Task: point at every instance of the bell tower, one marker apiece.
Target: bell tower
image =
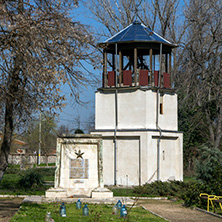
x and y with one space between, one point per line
136 109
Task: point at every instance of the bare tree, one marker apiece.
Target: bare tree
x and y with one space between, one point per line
41 48
48 134
63 129
201 70
164 16
195 26
156 14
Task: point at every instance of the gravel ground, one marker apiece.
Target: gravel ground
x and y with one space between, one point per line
175 212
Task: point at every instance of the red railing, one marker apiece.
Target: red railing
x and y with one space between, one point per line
127 78
146 78
143 78
111 78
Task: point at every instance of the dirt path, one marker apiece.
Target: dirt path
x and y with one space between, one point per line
175 212
8 207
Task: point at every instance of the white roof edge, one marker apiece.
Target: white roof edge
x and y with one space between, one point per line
158 35
163 39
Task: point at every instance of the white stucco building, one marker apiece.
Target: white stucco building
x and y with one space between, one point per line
136 110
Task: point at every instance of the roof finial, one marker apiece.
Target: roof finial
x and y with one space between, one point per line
136 22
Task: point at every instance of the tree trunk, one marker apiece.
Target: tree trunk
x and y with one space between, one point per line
219 128
9 115
7 137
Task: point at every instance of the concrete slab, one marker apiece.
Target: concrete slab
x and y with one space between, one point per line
124 200
33 199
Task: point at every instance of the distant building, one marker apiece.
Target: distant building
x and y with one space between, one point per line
18 146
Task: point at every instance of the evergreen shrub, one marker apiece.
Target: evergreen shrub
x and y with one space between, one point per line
209 175
159 188
31 179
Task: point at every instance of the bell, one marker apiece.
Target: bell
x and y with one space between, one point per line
85 211
123 212
78 204
62 210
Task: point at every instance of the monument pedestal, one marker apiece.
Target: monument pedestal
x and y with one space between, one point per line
102 193
55 192
79 168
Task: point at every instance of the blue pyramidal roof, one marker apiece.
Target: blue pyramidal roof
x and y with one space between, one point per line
137 32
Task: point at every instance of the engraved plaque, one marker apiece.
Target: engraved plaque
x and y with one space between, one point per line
78 181
79 169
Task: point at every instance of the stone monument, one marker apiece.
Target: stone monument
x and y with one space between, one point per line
79 167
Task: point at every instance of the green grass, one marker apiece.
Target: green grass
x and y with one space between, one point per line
44 164
49 178
190 179
127 192
13 166
122 192
9 183
23 192
37 212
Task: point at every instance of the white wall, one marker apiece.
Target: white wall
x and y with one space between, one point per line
137 136
171 162
90 153
128 161
136 110
132 110
168 120
78 177
104 110
108 161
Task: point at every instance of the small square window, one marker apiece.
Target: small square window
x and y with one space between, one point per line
161 103
161 108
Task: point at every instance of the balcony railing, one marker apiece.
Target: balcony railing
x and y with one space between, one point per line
143 78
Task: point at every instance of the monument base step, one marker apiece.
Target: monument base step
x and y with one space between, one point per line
55 193
102 193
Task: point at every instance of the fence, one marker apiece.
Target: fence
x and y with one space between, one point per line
19 159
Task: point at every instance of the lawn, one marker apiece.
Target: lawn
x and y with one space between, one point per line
37 212
127 192
9 183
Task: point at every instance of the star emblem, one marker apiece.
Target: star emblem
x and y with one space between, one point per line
79 154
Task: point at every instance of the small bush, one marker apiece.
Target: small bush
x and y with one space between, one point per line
31 179
209 175
209 161
9 181
46 171
191 196
13 171
159 188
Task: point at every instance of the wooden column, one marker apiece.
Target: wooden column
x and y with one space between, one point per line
166 62
135 66
170 61
104 68
151 67
113 61
120 67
